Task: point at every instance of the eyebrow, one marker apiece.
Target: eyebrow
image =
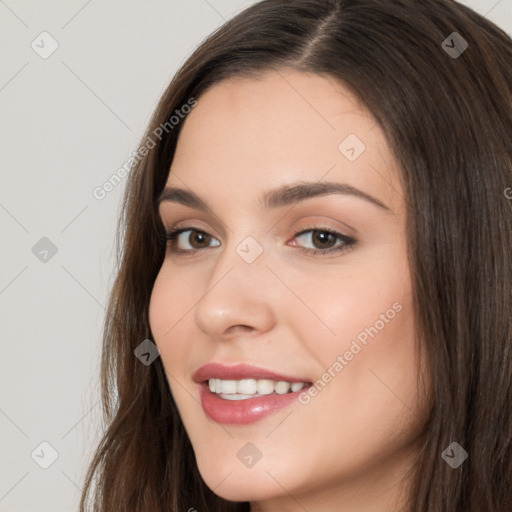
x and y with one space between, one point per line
278 198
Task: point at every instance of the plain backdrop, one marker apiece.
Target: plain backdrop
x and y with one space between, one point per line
78 82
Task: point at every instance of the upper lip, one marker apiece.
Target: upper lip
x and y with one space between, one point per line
238 372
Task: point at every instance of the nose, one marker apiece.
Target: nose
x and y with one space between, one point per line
239 297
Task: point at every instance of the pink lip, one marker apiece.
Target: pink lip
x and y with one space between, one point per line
238 372
241 412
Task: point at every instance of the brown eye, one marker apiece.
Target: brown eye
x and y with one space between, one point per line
197 238
323 241
189 240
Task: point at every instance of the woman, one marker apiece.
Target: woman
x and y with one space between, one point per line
319 246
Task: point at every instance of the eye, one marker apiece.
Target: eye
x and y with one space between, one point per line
324 240
189 239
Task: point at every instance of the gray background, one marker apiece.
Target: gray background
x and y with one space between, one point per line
68 122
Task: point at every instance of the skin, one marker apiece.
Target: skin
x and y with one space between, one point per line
289 311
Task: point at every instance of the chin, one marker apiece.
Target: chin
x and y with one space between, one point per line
238 483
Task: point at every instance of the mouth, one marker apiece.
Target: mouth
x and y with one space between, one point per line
244 394
246 389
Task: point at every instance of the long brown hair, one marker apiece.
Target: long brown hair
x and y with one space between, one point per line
447 113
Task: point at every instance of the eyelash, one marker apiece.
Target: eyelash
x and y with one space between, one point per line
172 234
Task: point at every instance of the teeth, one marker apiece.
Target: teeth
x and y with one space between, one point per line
227 386
251 388
265 387
247 386
282 387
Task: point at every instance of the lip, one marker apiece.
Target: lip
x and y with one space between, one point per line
238 372
241 412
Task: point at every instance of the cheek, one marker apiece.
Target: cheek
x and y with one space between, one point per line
365 302
173 297
162 305
364 342
168 310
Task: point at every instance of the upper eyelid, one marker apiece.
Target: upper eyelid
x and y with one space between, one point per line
319 223
214 220
221 227
298 231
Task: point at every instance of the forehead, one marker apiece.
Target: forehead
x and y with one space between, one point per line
283 126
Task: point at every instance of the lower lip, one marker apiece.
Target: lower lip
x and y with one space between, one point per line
242 412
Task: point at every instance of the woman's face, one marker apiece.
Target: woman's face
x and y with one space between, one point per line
268 168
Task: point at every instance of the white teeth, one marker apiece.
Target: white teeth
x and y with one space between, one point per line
237 396
265 387
227 386
247 386
282 387
251 388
